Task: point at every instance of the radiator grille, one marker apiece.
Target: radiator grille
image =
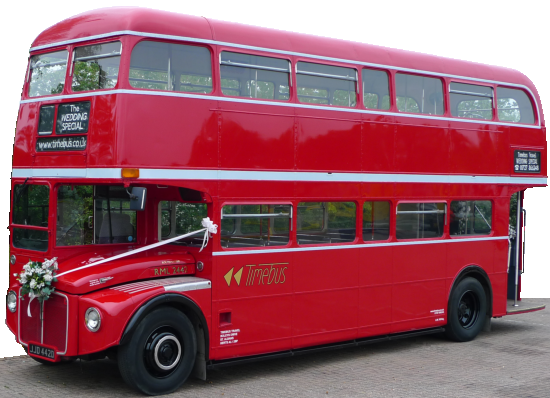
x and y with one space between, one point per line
52 329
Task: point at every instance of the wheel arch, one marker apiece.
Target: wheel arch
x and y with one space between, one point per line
476 272
179 302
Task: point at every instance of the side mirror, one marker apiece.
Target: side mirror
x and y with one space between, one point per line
138 197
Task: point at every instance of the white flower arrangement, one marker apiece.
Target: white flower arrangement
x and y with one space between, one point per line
37 279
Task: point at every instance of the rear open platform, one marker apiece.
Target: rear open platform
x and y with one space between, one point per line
522 307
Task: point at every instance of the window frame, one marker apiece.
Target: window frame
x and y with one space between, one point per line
235 50
390 90
358 88
445 233
358 222
532 101
476 83
51 217
53 236
72 52
470 236
444 99
291 232
29 71
128 61
391 223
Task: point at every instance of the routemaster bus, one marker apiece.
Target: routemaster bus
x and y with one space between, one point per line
217 193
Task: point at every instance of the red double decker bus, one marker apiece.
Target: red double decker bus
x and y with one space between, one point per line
360 193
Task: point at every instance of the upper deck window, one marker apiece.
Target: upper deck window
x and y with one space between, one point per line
47 73
419 94
376 89
171 67
253 76
471 101
514 106
95 67
325 84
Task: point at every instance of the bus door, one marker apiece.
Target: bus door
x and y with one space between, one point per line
516 256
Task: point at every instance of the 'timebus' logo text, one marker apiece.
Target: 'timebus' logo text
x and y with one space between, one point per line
258 274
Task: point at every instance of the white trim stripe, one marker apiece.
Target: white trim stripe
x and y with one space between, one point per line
291 53
302 176
272 103
364 245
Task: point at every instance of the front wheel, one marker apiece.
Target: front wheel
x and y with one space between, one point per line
160 356
467 309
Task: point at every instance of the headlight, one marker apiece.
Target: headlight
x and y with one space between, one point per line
12 259
11 301
92 319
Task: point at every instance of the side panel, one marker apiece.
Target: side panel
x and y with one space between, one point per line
419 286
326 296
375 291
253 304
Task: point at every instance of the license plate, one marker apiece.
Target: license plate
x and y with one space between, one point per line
41 351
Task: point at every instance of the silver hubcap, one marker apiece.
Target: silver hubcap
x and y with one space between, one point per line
164 352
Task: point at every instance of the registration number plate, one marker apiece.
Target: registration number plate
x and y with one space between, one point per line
41 351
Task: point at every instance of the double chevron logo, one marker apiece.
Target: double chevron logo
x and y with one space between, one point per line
237 276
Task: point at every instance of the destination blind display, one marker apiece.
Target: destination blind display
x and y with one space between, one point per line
61 144
527 162
73 118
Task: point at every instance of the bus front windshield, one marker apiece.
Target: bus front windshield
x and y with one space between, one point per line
88 214
30 209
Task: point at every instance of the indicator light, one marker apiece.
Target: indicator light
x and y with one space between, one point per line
130 173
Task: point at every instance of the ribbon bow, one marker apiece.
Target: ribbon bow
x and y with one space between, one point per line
211 228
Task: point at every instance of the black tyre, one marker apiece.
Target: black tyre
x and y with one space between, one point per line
160 355
467 309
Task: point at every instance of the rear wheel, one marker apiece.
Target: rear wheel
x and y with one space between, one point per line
159 357
467 309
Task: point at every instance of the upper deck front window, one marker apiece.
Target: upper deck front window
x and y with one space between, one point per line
47 73
96 67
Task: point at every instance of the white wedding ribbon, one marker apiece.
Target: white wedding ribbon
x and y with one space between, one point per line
209 228
32 297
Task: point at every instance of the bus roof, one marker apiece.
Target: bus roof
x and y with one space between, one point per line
106 21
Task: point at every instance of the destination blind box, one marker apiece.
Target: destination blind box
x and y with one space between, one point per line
73 118
526 161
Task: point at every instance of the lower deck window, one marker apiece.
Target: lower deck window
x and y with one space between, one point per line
30 239
420 220
376 221
255 225
88 214
470 217
177 218
326 222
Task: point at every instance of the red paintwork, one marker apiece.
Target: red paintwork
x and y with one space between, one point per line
327 295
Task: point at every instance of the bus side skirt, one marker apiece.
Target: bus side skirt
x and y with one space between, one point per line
328 347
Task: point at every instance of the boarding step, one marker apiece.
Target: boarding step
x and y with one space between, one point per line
522 307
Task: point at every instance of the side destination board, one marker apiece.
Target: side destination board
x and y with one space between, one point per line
527 161
73 118
61 144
